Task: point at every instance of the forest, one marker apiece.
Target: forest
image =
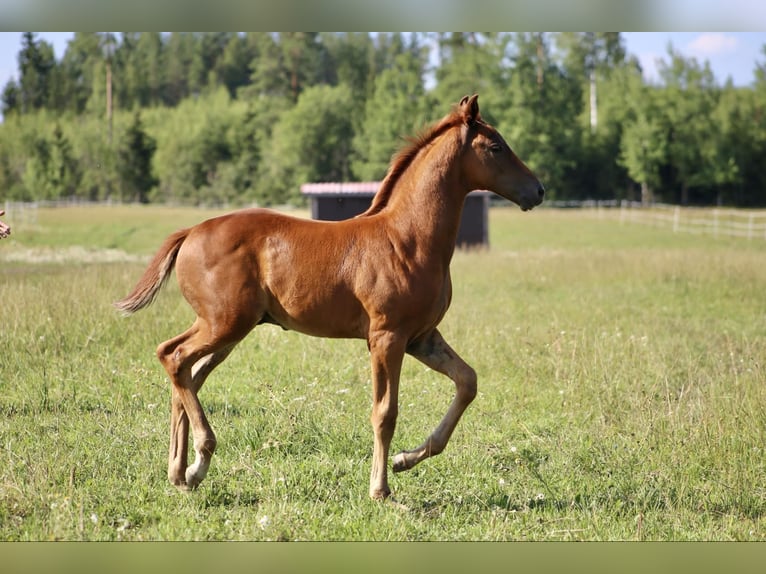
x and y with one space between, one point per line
245 118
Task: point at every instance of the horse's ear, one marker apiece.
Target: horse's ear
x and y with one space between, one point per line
469 109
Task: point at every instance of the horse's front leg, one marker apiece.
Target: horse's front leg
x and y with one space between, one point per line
386 355
434 352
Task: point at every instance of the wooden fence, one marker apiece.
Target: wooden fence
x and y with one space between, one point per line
715 221
711 221
25 212
20 212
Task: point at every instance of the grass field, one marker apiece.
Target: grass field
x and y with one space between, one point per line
621 396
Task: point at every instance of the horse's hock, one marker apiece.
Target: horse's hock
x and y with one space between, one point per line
336 201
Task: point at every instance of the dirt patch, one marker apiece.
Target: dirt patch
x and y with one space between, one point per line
72 254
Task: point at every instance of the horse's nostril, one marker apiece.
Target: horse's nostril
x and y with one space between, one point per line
541 191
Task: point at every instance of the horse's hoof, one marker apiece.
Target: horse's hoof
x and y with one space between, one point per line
380 493
400 463
179 482
192 482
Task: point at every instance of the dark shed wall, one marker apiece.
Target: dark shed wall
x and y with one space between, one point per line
339 207
474 225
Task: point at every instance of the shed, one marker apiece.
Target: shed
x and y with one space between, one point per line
338 201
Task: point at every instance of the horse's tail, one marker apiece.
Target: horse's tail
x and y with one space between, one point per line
155 276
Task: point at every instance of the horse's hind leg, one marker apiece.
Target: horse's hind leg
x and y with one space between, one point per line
179 441
434 352
179 421
189 358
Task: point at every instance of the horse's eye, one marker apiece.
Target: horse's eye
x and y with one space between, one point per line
495 147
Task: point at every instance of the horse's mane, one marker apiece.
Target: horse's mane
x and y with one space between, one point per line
405 156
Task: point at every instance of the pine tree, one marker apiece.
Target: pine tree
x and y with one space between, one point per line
311 142
232 68
64 173
135 163
11 99
398 108
179 54
77 70
36 62
538 113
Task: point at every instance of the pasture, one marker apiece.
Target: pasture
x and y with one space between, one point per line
621 395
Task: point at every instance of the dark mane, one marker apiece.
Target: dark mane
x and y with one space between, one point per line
404 157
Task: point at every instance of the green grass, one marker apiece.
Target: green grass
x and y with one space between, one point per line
621 396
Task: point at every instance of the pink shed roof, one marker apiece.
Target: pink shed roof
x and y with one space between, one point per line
340 188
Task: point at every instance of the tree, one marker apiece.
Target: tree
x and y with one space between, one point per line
127 70
472 64
77 70
733 144
205 67
178 57
351 61
398 107
52 171
597 67
65 172
230 124
11 99
688 101
149 54
591 56
287 63
233 65
753 183
538 114
644 145
250 140
266 78
36 63
311 142
135 163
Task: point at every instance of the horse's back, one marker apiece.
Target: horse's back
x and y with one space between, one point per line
274 267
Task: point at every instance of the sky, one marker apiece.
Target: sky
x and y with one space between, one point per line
731 54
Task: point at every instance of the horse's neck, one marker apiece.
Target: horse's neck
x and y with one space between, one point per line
427 203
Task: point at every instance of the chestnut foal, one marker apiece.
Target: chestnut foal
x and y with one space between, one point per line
382 276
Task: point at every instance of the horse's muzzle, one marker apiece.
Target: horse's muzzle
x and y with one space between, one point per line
529 202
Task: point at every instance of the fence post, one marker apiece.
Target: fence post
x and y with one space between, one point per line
715 222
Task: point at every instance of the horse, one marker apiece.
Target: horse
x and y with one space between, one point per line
382 276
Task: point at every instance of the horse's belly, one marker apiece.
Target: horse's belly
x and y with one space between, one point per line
320 313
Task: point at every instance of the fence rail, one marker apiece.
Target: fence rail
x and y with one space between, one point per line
715 221
25 212
21 212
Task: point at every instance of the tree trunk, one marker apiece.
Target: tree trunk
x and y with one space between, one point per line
646 194
109 100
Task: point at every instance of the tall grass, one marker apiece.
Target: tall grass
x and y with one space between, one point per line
621 397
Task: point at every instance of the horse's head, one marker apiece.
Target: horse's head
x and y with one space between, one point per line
489 163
